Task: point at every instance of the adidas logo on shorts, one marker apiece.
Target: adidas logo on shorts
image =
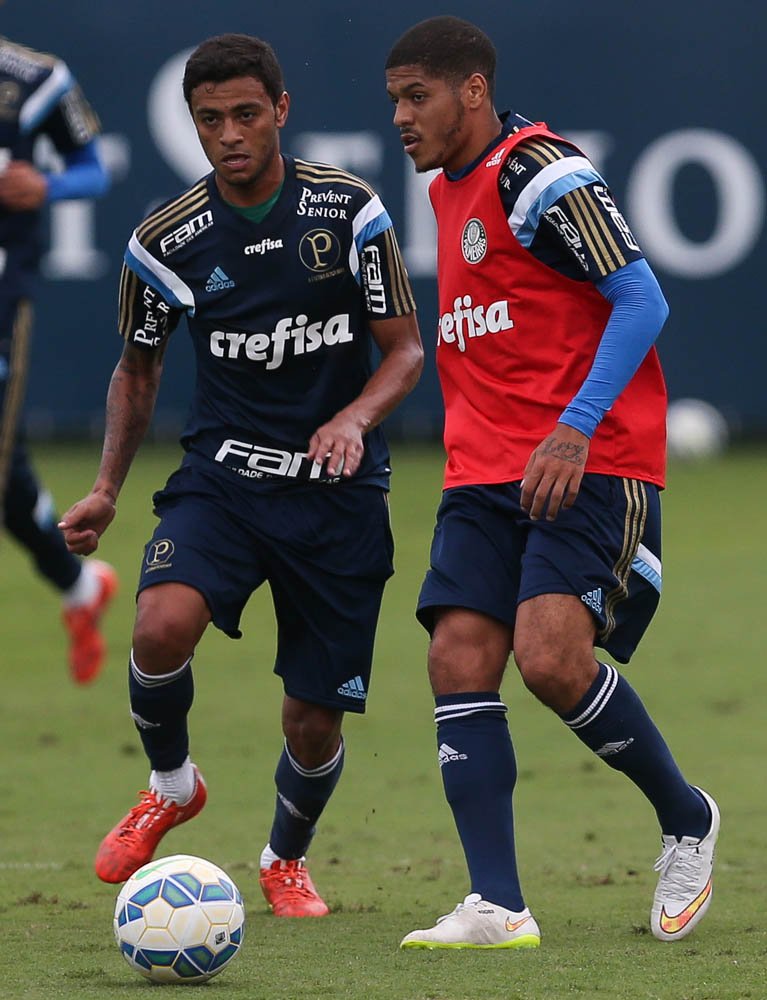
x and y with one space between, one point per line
354 689
593 599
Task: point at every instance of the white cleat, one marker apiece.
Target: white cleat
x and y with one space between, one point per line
684 887
475 923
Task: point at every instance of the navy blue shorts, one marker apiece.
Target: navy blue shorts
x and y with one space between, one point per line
489 556
326 552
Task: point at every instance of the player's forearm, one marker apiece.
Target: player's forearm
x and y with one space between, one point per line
639 312
130 403
395 377
84 176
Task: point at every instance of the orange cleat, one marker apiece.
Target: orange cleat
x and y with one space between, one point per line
289 890
132 842
87 649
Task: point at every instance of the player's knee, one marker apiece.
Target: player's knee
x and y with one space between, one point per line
313 732
462 659
555 677
442 666
162 642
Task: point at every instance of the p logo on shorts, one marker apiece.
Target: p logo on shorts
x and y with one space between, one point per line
159 553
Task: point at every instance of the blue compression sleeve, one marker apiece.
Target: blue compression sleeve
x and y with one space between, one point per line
84 175
639 312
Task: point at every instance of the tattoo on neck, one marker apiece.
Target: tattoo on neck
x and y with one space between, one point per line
565 450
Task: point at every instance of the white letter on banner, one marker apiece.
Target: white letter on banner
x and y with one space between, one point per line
740 192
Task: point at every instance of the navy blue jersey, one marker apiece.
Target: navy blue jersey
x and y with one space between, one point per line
278 312
559 207
38 96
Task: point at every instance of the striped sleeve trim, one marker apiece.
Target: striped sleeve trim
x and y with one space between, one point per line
550 184
39 105
567 177
401 292
595 231
160 277
165 218
126 301
371 220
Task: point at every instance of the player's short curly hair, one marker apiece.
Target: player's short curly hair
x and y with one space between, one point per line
447 48
227 56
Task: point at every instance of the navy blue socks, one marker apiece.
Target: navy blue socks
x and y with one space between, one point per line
159 707
302 794
479 772
612 721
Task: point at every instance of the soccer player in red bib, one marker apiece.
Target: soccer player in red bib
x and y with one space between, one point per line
547 542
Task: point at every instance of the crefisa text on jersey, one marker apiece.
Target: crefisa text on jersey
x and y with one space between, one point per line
304 336
262 247
467 321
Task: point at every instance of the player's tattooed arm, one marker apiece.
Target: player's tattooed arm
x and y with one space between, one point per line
568 451
554 473
130 404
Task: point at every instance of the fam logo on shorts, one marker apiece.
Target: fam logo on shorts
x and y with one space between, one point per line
159 554
473 241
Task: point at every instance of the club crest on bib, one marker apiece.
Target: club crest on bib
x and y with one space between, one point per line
473 241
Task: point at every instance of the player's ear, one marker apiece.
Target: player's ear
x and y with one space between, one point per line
281 108
475 91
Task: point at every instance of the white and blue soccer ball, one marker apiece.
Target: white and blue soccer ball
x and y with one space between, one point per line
695 430
179 919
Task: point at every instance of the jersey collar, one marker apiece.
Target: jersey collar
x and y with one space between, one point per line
511 123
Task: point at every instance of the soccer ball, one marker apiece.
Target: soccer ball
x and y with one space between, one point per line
179 919
695 429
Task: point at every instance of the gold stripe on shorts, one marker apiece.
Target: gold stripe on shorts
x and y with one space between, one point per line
18 364
633 531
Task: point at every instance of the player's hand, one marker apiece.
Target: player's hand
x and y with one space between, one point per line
23 188
554 472
86 521
338 444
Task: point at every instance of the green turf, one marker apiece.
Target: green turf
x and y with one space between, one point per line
386 856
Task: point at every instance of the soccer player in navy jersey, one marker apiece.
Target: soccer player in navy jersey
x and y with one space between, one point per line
288 273
40 97
547 541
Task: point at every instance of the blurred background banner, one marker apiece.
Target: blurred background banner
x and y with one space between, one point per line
666 97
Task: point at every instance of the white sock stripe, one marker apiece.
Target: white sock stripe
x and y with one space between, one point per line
317 772
599 702
467 708
156 680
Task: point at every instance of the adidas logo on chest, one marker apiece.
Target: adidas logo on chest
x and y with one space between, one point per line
218 281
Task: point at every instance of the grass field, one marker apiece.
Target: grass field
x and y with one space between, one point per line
386 856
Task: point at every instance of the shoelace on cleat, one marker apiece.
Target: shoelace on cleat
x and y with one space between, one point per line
459 907
149 809
680 867
292 888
